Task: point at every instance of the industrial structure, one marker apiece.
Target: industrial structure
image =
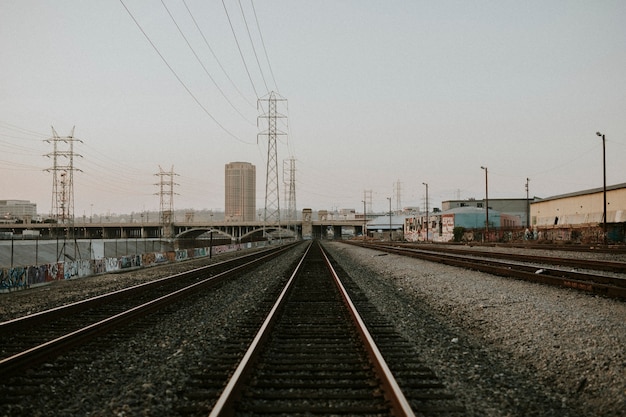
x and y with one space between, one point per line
579 216
240 191
62 170
519 207
269 108
166 199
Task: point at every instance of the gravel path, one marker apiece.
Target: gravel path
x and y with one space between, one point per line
506 347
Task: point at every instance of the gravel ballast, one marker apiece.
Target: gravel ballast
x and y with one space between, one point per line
505 346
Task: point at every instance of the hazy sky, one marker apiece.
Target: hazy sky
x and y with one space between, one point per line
378 92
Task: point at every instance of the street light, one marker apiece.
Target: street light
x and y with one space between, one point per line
486 204
604 183
389 198
426 210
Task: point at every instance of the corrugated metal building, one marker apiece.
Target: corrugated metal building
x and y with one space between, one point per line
580 215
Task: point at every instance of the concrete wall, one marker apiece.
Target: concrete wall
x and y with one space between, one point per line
22 277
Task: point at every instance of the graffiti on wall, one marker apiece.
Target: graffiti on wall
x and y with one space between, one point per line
24 277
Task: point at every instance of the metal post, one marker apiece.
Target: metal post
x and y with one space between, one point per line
211 244
427 219
389 198
604 184
364 220
527 206
486 205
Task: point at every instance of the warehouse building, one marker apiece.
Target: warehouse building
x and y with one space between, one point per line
579 216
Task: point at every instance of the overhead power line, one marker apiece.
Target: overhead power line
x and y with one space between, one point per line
263 44
178 78
206 42
206 71
239 48
243 15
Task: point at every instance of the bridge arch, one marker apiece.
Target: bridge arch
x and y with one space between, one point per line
199 231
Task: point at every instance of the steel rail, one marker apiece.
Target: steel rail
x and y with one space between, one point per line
597 284
55 347
391 389
590 264
225 401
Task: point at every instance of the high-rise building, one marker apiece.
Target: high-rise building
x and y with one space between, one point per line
240 181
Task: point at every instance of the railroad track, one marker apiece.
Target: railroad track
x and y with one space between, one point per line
548 270
314 354
317 363
30 340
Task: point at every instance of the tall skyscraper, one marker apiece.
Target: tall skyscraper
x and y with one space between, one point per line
240 188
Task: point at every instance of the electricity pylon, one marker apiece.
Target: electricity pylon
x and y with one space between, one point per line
272 195
166 193
289 178
62 210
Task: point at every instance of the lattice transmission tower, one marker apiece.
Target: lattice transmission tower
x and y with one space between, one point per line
166 195
367 197
269 110
398 194
289 178
62 169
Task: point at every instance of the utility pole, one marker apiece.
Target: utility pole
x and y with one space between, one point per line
268 106
166 195
486 203
62 210
527 205
364 220
389 198
604 229
427 219
367 197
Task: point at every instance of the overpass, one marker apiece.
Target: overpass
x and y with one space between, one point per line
236 231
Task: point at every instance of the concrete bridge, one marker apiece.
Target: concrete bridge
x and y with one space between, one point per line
236 231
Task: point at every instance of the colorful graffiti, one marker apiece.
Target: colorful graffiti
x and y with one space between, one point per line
17 278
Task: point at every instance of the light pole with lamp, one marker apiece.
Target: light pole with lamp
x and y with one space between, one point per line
427 219
389 198
486 204
604 183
